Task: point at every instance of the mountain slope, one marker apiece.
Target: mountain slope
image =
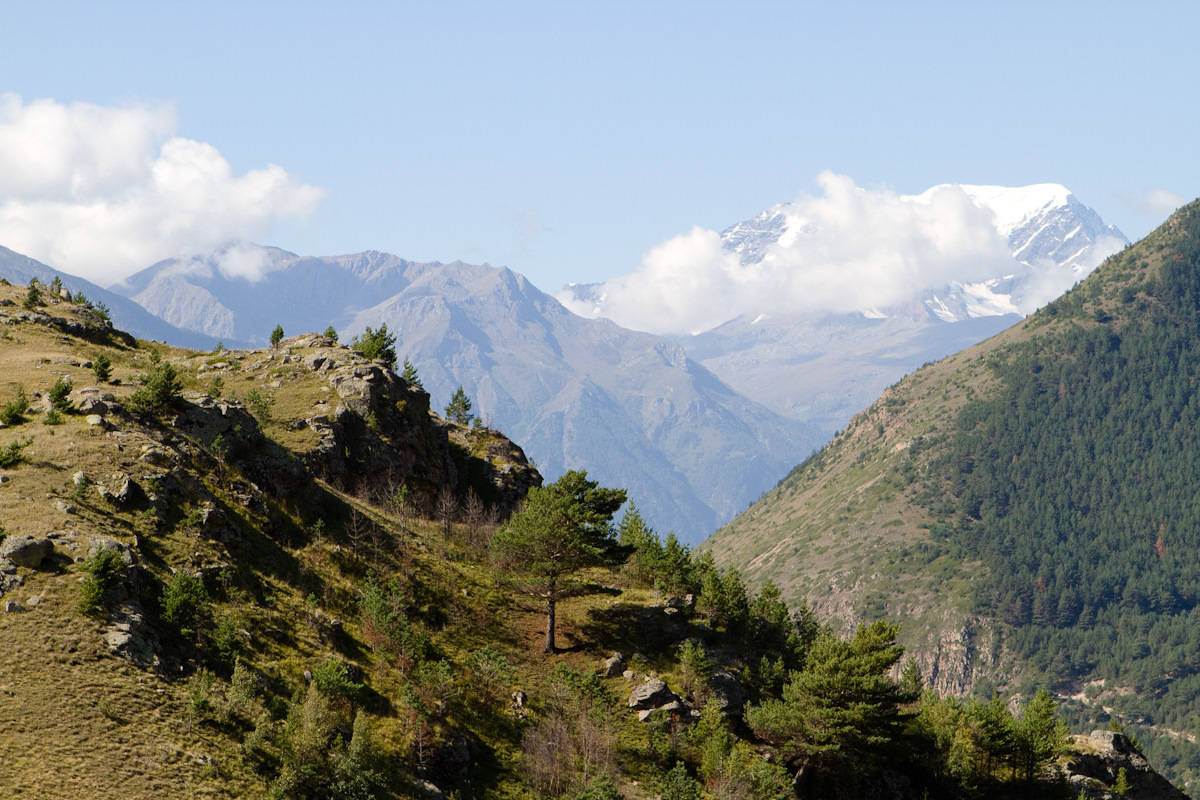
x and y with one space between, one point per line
629 407
1028 504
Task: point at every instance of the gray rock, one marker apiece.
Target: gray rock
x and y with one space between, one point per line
118 490
96 421
613 666
131 637
727 692
428 789
64 507
79 479
12 607
651 694
24 550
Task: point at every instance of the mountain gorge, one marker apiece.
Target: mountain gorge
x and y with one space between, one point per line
1026 506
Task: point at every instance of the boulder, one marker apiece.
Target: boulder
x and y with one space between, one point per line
613 666
24 550
131 637
118 490
1099 759
727 692
651 694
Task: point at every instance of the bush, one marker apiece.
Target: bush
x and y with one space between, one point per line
102 367
13 412
11 456
161 389
103 572
58 394
33 297
331 333
185 604
277 336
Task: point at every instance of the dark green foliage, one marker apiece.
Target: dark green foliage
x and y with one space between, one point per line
333 680
33 297
102 368
276 336
331 333
58 394
563 529
843 708
104 570
101 312
160 390
376 345
410 374
10 455
14 410
678 784
186 604
459 408
600 788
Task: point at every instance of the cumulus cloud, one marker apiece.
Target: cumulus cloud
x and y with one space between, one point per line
847 249
103 191
1154 201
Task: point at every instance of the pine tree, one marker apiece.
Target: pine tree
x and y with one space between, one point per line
459 408
277 336
563 529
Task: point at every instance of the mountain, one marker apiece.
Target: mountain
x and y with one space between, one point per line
126 314
822 368
1026 506
629 407
274 573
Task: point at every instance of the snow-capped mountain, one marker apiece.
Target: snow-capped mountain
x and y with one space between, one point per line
824 367
629 407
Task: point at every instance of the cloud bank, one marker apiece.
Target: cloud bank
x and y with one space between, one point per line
104 191
847 249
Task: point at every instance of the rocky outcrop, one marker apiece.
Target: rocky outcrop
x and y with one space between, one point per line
1095 769
651 694
25 551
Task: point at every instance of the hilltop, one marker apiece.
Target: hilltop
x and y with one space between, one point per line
1025 505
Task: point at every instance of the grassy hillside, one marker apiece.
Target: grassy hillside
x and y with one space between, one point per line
1028 505
271 574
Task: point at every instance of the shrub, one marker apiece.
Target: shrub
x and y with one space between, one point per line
160 391
102 367
11 456
59 393
331 333
376 345
260 404
53 417
185 603
13 412
103 572
33 297
277 336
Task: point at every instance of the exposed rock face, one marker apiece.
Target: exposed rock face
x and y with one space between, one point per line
614 665
131 637
962 653
25 551
728 693
1102 755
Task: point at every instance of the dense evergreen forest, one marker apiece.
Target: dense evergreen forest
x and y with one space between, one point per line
1075 484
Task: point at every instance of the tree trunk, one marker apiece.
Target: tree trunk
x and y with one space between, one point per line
551 597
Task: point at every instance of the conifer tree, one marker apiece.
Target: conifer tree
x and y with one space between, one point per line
564 528
459 408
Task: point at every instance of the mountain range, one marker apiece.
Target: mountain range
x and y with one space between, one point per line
695 427
1026 506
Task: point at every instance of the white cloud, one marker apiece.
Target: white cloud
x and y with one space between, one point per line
849 249
102 192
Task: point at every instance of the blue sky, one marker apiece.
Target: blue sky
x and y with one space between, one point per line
565 140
